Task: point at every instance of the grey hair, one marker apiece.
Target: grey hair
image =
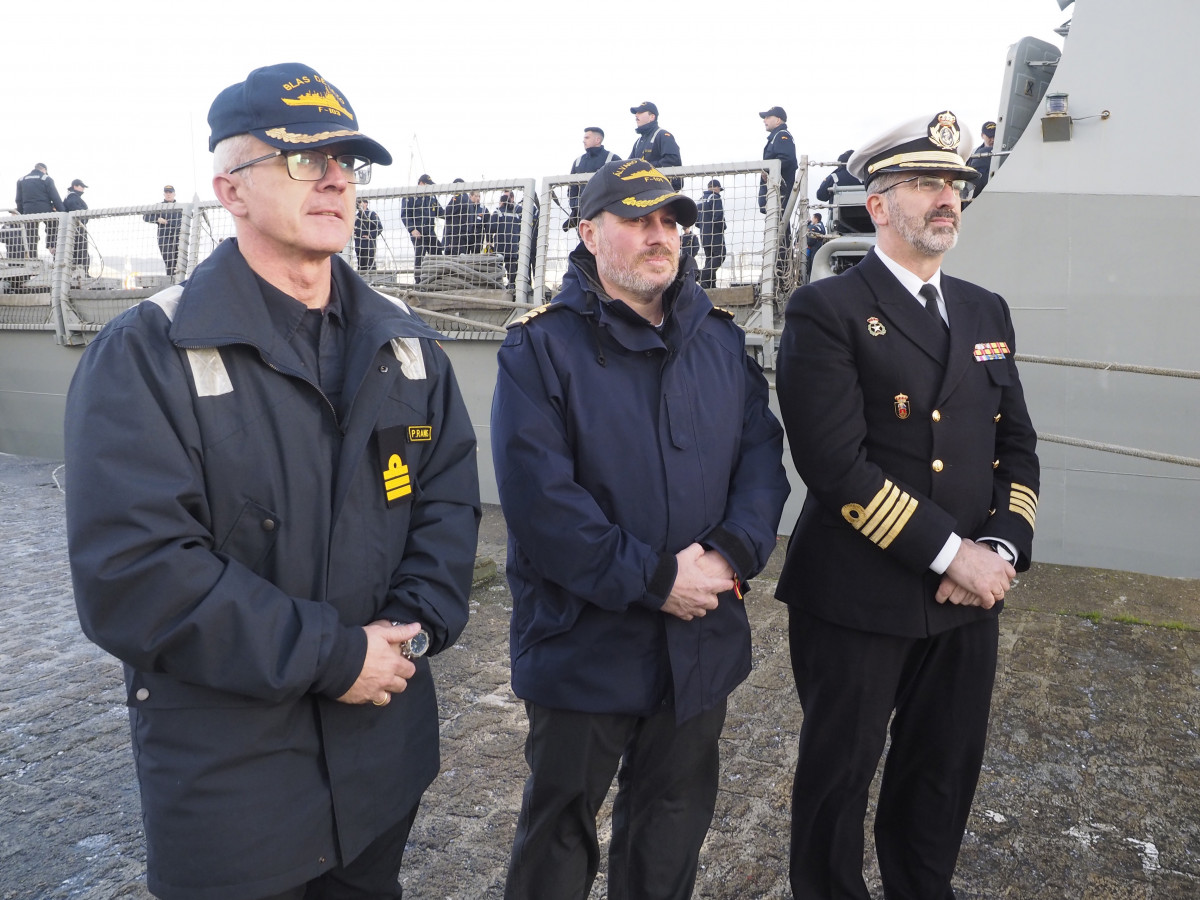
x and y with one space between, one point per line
882 182
232 151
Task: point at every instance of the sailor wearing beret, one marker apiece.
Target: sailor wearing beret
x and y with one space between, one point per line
907 421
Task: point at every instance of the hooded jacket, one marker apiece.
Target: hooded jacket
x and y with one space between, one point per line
229 538
616 446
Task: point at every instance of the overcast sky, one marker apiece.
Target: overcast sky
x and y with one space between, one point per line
118 94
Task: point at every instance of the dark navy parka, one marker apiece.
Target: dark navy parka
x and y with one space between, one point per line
615 448
228 539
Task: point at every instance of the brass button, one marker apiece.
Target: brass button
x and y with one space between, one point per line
268 524
142 694
937 415
937 465
996 417
995 463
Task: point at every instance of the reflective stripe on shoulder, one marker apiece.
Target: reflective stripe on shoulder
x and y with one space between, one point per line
412 360
407 350
168 300
208 369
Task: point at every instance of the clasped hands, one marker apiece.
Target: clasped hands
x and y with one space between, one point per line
977 576
701 576
385 670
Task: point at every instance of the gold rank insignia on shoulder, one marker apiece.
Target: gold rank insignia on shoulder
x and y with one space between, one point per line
875 327
902 406
991 350
722 311
529 315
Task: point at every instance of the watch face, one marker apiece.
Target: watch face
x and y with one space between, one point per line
416 645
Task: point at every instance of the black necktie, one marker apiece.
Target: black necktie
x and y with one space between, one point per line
929 292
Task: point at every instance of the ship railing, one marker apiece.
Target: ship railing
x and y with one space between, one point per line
70 273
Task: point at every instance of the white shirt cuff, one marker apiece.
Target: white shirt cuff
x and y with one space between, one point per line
941 562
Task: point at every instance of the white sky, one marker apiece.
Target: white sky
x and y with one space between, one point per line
118 93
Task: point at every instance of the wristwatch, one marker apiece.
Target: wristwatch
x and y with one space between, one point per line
1002 551
415 646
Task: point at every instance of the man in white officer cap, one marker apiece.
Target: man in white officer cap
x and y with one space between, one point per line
907 421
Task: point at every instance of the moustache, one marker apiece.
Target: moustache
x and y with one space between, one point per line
944 212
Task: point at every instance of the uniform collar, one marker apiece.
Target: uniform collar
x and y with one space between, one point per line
910 282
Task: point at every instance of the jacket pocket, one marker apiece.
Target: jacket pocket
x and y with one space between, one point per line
252 536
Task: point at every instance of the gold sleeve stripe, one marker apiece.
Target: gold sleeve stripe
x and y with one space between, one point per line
884 517
1022 491
884 492
909 509
1023 502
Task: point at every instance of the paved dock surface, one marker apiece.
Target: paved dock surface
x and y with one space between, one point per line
1090 788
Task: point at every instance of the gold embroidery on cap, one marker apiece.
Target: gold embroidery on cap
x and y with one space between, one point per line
328 100
282 134
653 201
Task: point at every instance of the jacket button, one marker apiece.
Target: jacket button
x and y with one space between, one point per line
382 369
996 417
995 463
268 524
937 415
937 465
142 694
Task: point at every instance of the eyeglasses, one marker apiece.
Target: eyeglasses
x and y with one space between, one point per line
311 165
935 184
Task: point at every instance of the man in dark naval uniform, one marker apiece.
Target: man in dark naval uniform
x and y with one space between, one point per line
781 146
418 213
640 471
593 157
36 193
907 422
655 144
298 517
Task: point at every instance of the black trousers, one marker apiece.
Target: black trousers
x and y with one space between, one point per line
713 258
372 875
666 793
849 683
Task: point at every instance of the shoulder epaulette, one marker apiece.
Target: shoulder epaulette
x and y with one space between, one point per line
721 311
533 313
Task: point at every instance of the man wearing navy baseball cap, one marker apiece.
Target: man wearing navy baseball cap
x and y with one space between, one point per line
297 525
640 473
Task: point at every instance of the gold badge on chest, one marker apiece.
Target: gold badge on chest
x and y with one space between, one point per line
875 327
902 406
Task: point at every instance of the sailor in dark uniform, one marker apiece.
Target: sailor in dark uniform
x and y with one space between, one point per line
418 212
908 424
981 158
594 157
36 193
655 144
781 146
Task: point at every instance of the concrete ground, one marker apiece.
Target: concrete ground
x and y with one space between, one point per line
1090 789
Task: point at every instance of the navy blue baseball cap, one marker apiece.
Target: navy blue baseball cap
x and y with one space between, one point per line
290 107
631 188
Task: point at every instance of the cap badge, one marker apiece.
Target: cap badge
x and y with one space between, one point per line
647 174
875 327
943 131
901 406
328 101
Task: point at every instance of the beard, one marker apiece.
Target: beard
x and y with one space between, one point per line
916 230
624 272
